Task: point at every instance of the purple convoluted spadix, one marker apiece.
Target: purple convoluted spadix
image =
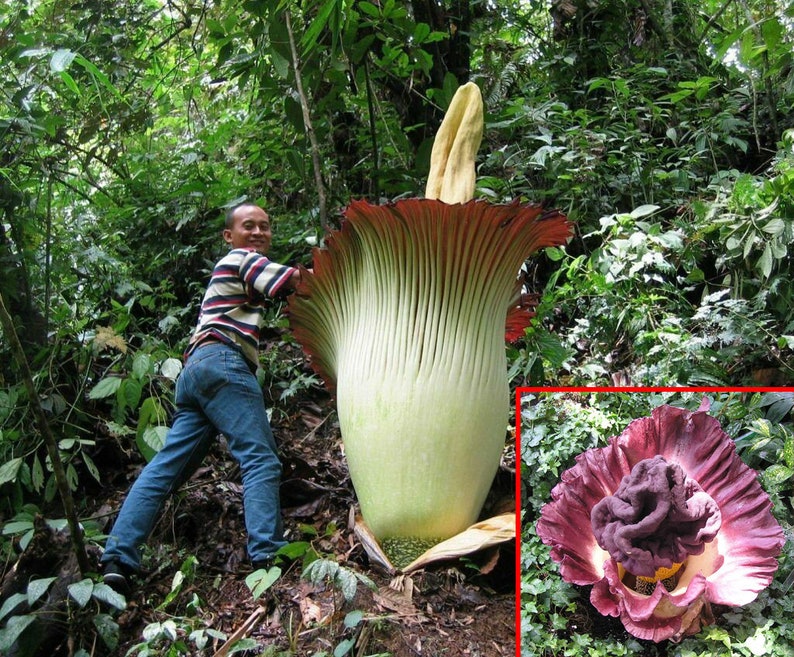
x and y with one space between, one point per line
663 522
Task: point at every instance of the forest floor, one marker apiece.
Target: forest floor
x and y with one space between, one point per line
457 608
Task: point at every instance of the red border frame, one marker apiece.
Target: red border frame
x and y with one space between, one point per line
605 389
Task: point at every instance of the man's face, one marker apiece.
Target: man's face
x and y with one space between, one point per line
251 229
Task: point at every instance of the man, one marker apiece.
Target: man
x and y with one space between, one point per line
217 392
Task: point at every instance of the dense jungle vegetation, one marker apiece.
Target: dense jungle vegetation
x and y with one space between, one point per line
664 129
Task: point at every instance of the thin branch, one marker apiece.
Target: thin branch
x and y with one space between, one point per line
48 259
768 90
240 633
373 133
654 23
307 121
713 21
75 532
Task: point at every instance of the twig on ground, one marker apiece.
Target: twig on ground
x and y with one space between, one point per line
240 633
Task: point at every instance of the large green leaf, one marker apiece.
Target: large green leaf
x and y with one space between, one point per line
14 628
10 469
105 388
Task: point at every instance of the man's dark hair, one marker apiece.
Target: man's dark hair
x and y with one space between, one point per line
230 213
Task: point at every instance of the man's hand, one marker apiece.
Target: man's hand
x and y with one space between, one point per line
296 277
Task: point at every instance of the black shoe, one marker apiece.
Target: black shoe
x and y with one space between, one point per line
117 576
277 559
263 564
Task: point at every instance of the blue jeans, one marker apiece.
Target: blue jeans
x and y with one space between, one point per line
215 393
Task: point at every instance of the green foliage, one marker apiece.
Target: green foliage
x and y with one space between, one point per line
140 383
181 630
180 636
767 445
556 617
180 627
183 576
22 526
20 628
640 303
629 298
352 620
284 374
328 571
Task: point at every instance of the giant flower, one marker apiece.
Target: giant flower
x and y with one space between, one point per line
405 318
663 522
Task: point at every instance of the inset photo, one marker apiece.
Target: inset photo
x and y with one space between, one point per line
656 522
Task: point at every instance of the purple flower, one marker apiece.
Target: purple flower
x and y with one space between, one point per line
662 522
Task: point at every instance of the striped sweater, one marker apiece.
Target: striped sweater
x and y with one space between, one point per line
233 308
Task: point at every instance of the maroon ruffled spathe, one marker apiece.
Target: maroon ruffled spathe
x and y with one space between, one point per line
669 490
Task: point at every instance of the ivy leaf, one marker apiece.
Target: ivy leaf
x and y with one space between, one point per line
104 593
10 603
81 591
108 629
260 580
37 588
